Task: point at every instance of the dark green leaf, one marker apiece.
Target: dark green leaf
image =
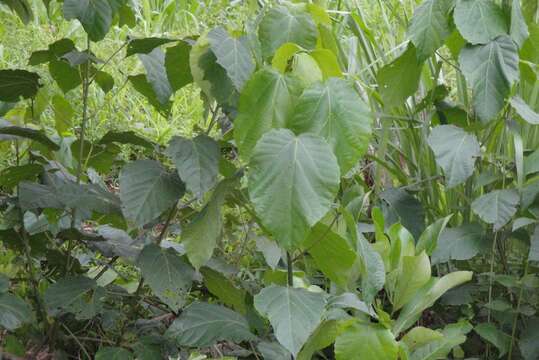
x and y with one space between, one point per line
94 15
13 175
154 63
141 84
177 65
113 353
126 137
16 84
105 81
65 76
27 133
145 46
14 312
78 295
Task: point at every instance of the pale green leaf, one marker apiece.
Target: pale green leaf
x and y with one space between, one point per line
293 313
322 337
365 341
496 207
420 336
156 74
413 275
518 28
525 111
479 21
428 240
452 335
460 243
292 183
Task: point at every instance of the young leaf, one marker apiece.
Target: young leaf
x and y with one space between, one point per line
265 103
94 15
359 340
430 26
324 335
452 335
455 151
293 313
284 24
496 207
292 183
147 190
14 312
63 114
232 55
167 274
479 21
335 111
490 69
413 275
460 243
16 84
420 336
197 161
399 79
202 325
428 240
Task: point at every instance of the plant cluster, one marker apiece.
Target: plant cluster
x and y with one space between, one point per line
338 201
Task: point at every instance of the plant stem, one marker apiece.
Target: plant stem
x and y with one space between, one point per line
290 272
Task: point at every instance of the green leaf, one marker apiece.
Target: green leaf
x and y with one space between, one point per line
292 183
201 235
534 246
14 312
496 207
156 74
94 15
479 21
113 353
15 84
456 151
335 111
233 55
460 243
491 70
126 137
399 206
428 240
359 340
328 63
197 162
105 81
528 344
372 269
524 110
266 102
13 175
78 295
452 335
147 189
420 336
331 253
282 56
117 243
413 275
305 68
67 77
322 337
284 24
202 325
63 114
219 285
167 274
427 296
496 337
4 284
399 79
293 313
141 84
177 65
145 46
21 8
430 26
27 133
518 29
273 351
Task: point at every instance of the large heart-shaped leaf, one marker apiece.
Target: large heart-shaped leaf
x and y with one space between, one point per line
360 340
430 26
16 84
78 295
292 183
479 21
266 102
94 15
233 55
197 161
14 312
203 325
460 243
147 190
455 151
496 207
284 24
335 111
293 313
490 69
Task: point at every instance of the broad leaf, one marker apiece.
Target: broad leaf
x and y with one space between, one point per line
430 26
292 183
177 65
420 336
201 235
293 313
154 63
4 284
14 312
496 207
24 132
78 295
223 288
518 28
323 336
94 15
372 269
113 353
203 325
63 114
360 340
147 190
166 273
16 84
460 243
141 84
427 296
126 137
499 339
145 46
232 55
413 275
455 151
525 111
479 21
428 240
452 335
284 24
335 111
273 351
490 69
266 102
399 206
197 161
399 79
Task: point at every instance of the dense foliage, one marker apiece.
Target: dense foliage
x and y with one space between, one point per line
338 199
